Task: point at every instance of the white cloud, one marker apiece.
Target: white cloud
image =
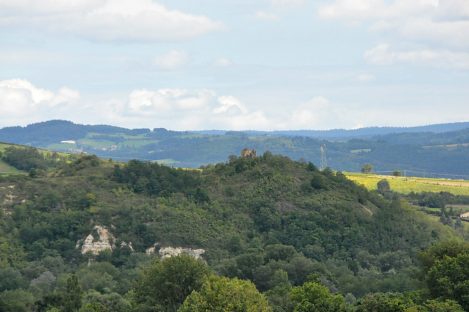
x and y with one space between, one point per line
172 60
266 16
47 6
21 100
411 18
189 109
108 20
285 3
277 9
167 101
383 55
360 10
22 103
182 109
439 25
311 114
229 105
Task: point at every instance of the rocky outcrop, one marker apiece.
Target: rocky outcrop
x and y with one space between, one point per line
168 252
7 193
127 245
465 216
97 242
152 250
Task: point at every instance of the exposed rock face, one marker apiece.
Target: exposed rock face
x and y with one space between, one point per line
7 193
152 249
168 252
127 245
96 245
465 216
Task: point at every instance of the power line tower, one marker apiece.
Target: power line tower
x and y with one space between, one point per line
323 157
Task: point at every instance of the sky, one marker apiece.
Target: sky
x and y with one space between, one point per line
235 64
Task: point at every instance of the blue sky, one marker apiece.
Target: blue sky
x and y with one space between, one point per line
258 64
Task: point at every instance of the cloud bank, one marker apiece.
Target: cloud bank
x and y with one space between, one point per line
435 30
21 103
106 20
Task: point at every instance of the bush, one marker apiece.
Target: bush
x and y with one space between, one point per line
314 297
167 283
224 294
384 186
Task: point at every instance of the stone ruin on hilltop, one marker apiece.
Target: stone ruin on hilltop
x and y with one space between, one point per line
248 153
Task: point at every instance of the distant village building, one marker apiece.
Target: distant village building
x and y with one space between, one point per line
248 153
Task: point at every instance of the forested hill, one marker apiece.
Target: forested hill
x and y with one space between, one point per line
436 150
268 219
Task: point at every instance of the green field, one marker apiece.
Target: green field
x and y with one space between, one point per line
6 169
406 185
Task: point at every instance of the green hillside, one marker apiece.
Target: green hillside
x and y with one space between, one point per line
268 219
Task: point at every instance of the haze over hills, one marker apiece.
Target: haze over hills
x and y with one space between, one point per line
434 150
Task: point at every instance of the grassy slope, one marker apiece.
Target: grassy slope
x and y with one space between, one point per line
4 167
7 169
412 184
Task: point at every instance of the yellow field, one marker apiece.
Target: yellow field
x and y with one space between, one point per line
412 184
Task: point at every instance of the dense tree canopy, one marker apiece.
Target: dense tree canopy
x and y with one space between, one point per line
265 224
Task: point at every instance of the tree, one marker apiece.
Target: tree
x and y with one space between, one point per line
24 158
384 302
319 181
313 296
94 301
220 294
167 283
73 294
367 168
10 279
440 251
437 306
449 279
445 266
384 186
16 301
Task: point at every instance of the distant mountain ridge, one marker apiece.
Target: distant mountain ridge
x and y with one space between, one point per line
352 133
440 150
374 131
68 130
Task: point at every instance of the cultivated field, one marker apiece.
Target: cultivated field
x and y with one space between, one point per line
412 184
